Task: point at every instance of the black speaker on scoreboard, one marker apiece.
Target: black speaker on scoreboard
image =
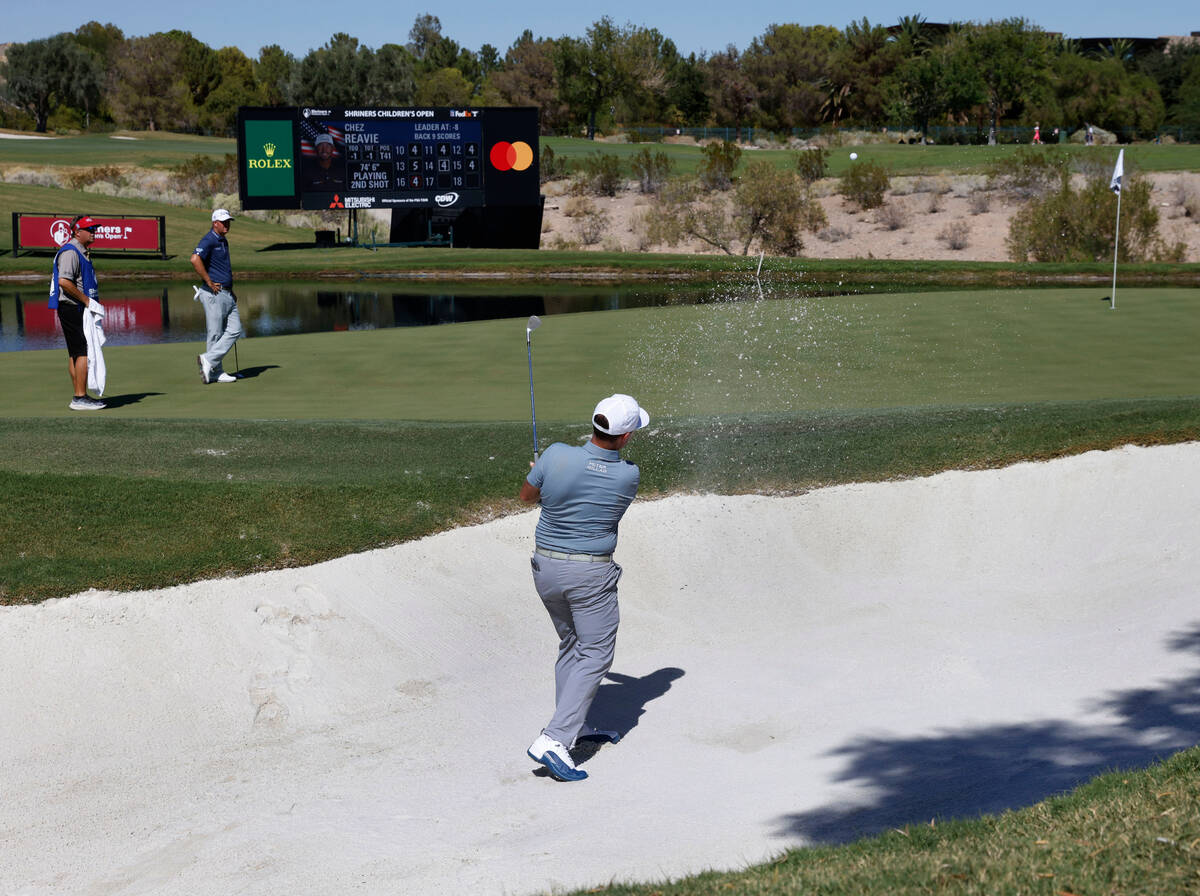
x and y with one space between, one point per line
500 227
409 225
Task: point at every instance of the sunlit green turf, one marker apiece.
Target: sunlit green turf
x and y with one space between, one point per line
736 355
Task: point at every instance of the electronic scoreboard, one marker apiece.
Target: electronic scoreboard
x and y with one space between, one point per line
472 166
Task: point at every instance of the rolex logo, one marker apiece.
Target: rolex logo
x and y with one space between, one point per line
270 162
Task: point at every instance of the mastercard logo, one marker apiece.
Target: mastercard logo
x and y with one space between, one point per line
507 156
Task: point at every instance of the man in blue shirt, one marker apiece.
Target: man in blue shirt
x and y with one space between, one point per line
584 492
221 318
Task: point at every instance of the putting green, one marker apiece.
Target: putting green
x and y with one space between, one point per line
729 357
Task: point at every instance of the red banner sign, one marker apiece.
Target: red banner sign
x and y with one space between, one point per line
53 231
120 316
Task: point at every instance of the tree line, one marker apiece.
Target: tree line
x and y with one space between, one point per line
982 75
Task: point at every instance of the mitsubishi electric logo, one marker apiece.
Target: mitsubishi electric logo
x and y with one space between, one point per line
445 200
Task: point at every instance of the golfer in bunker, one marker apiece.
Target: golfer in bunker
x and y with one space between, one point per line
584 491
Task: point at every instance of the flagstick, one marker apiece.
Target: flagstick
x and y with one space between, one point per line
1117 185
1116 245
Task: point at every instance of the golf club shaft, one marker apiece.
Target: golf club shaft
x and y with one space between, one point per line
532 408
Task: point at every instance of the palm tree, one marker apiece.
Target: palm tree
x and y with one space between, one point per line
1119 48
912 34
834 105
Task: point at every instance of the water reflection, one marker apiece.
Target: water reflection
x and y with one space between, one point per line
166 312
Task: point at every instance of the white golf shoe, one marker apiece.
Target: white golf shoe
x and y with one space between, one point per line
555 757
226 378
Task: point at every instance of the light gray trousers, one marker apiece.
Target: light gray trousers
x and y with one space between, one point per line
223 323
581 599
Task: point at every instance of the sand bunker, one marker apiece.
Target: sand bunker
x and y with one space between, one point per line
789 671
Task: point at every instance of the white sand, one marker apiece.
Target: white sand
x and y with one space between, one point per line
789 670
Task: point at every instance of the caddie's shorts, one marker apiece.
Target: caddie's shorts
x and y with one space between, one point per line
71 318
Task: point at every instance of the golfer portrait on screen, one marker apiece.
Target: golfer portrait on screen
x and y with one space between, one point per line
327 170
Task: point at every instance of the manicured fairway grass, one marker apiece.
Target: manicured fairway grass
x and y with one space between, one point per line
144 149
734 356
898 159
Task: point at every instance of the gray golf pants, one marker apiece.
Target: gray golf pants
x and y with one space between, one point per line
224 325
581 599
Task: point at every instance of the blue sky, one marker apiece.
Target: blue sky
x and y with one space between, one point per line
299 27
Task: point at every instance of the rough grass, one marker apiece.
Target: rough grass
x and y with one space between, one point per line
124 504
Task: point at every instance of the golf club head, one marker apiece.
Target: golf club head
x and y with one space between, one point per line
534 323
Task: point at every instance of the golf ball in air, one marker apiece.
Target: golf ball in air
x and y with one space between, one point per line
853 156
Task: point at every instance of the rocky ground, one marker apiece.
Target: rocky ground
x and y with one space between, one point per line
942 218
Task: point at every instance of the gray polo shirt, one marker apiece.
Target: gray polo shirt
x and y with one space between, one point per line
69 268
585 492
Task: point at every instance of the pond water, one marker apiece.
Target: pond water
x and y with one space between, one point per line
149 312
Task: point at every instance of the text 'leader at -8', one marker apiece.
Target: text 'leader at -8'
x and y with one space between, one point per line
584 492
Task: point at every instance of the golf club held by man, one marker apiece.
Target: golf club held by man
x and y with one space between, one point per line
584 492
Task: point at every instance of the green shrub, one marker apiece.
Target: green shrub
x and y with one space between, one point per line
1028 173
686 210
865 184
1072 225
651 169
772 205
601 174
811 164
551 167
719 160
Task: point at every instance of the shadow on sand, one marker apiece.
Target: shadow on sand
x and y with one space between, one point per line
619 704
974 771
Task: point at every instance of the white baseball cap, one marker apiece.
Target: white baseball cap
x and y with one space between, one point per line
222 215
619 414
323 138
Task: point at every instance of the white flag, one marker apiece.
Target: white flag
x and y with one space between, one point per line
1118 173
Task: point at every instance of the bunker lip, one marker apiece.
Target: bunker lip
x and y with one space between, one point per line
790 670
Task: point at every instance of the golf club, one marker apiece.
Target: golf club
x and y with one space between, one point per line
534 323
